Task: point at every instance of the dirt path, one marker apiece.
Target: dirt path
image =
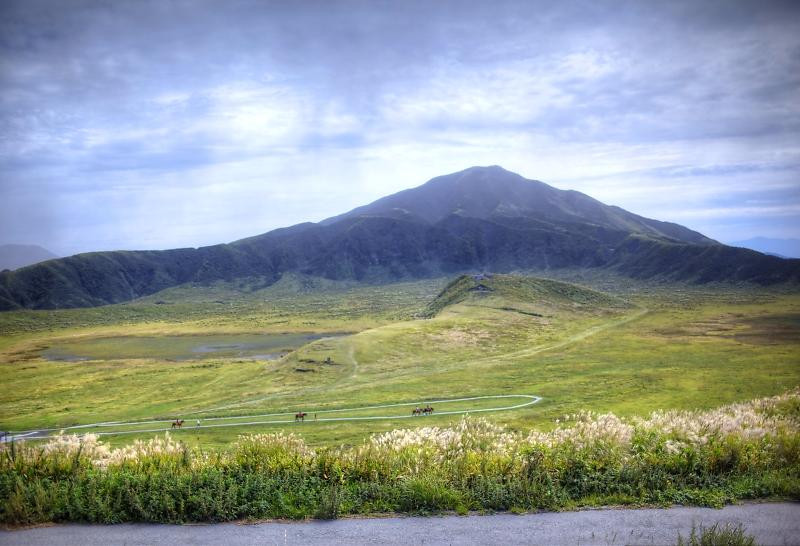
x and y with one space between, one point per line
288 417
771 523
523 353
580 336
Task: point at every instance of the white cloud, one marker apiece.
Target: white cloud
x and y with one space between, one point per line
133 130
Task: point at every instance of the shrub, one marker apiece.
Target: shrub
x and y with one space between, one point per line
708 458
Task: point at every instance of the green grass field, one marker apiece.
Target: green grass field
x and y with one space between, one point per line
642 349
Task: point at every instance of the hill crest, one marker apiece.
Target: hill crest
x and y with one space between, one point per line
535 291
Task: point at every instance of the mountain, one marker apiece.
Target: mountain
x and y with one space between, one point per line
16 256
783 248
491 193
479 219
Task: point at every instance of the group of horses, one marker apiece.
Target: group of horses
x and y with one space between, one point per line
427 410
301 415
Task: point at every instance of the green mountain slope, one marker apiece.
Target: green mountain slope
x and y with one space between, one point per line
480 219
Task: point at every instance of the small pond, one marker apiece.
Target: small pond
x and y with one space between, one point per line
188 347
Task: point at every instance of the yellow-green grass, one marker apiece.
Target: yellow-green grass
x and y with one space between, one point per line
713 348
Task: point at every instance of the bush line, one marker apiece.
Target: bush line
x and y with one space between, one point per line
740 451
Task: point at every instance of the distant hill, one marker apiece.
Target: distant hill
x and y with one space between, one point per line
784 248
16 256
479 219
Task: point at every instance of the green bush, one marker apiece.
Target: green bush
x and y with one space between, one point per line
700 458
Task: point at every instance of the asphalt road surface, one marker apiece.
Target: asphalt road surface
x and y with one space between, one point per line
771 524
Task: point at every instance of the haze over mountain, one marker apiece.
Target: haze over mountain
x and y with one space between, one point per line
479 219
785 248
16 256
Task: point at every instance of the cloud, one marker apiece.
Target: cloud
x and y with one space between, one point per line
151 123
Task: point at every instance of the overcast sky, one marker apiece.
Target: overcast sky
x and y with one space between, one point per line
136 124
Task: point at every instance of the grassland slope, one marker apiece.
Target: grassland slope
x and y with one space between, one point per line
575 347
511 292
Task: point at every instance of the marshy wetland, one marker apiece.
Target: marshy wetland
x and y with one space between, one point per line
182 347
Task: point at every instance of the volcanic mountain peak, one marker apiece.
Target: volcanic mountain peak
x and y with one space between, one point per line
493 192
475 192
479 219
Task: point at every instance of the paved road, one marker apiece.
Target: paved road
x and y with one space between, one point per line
772 524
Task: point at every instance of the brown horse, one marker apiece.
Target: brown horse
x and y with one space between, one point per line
427 410
301 416
416 411
178 423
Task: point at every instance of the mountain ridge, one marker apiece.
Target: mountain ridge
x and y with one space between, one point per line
479 219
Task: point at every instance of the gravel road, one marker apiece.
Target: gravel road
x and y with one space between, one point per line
771 523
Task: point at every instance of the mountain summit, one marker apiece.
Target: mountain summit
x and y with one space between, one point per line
492 192
482 218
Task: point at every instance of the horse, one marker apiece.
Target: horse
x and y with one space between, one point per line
416 411
427 410
178 423
301 416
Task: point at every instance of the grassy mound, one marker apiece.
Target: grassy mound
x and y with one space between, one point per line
519 289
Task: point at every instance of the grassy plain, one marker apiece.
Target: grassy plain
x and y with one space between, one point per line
646 348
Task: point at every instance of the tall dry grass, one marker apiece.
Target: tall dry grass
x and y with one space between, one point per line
737 451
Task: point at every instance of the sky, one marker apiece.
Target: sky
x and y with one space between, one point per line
163 124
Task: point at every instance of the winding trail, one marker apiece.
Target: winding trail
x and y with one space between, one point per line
579 336
235 421
523 353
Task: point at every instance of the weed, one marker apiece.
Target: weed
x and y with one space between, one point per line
716 535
